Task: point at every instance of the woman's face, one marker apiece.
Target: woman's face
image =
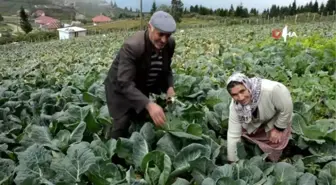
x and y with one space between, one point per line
241 94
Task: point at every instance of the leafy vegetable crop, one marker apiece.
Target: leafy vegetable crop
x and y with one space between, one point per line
54 120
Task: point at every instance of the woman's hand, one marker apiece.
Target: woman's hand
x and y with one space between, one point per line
275 136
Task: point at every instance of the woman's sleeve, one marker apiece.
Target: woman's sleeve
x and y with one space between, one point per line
233 135
282 100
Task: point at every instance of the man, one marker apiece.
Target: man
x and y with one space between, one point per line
142 66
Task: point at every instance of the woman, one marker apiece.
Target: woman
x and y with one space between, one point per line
260 111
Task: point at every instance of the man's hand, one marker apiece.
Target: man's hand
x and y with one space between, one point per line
170 94
232 162
275 136
156 113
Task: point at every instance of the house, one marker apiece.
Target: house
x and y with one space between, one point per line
101 19
43 19
39 13
76 23
50 26
71 32
47 23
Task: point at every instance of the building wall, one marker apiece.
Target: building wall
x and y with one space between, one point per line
82 33
63 35
79 34
66 35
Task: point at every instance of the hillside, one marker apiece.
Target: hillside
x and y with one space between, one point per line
92 9
64 9
10 7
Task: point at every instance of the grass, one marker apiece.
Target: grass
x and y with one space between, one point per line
11 19
118 24
4 27
135 23
197 21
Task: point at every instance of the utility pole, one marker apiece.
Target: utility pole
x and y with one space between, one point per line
141 23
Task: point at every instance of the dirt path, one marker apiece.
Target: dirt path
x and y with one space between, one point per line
15 28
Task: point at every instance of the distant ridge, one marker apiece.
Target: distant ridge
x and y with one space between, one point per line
69 8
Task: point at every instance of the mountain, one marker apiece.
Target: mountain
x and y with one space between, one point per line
65 9
10 7
91 9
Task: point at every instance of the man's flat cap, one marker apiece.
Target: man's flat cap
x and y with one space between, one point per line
163 21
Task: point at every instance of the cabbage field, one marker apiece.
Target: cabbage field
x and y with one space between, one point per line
54 119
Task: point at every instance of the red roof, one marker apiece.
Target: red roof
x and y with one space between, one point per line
45 20
101 18
52 25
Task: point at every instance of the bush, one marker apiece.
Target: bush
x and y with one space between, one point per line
190 15
31 37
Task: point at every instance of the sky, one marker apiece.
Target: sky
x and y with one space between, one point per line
259 4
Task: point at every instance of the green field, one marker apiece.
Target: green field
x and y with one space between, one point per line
5 28
53 111
131 24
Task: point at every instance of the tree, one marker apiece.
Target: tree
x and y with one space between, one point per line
196 9
231 11
177 10
154 8
185 11
253 11
241 11
293 8
24 22
315 7
322 9
330 6
164 8
203 10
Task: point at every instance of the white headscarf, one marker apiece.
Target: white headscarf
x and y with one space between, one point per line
254 86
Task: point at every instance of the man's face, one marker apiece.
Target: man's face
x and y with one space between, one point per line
158 39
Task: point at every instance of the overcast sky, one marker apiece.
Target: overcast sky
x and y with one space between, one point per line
259 4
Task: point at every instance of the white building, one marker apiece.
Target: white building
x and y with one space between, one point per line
71 32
